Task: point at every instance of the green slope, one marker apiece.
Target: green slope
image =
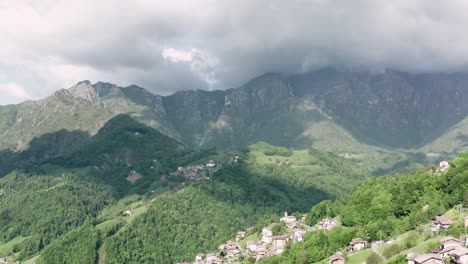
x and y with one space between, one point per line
450 143
42 199
382 208
43 206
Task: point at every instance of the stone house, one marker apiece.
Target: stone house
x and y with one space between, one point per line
337 259
267 234
442 222
450 242
298 235
460 255
413 258
327 224
447 251
357 244
279 243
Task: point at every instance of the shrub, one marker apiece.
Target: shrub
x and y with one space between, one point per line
392 251
373 258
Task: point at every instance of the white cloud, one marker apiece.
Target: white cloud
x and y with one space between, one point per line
202 64
182 44
13 93
176 55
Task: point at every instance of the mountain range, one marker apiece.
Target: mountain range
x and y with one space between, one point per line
335 110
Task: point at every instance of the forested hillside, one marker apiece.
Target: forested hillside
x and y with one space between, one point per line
199 217
42 205
382 208
75 201
83 191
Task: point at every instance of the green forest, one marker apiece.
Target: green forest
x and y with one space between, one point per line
68 208
381 208
86 190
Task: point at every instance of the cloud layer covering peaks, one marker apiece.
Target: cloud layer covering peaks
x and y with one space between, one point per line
167 46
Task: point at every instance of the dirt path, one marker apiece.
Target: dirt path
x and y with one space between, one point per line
375 247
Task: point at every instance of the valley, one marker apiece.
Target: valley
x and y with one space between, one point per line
104 174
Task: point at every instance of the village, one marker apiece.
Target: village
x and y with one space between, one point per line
195 172
234 251
200 172
451 250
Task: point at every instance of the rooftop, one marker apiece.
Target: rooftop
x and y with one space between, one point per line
444 220
425 257
447 239
283 237
336 257
461 251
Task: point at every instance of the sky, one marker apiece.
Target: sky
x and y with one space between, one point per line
165 46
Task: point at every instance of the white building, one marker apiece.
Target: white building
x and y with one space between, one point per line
125 213
211 164
267 234
444 165
288 219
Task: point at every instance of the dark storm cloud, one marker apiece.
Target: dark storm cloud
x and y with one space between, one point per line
168 46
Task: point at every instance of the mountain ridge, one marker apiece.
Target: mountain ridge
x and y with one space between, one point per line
390 110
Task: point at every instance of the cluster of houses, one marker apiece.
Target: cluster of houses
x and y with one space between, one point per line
195 172
4 261
451 250
267 246
327 224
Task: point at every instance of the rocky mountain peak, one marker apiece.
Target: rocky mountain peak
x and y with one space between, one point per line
84 90
91 92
